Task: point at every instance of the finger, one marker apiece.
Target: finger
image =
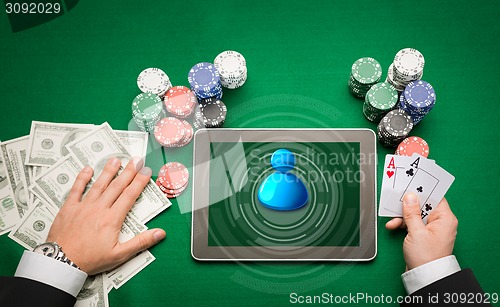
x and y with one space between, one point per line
108 173
140 243
395 223
81 181
116 187
131 193
411 213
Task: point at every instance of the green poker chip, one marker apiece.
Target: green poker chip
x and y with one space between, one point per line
382 96
366 71
147 107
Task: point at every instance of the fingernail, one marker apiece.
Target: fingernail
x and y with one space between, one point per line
410 199
138 163
87 169
114 162
159 235
146 171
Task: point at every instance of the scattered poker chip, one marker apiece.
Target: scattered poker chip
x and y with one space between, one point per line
211 114
394 127
147 110
411 145
153 80
173 176
380 99
365 73
169 131
232 69
180 101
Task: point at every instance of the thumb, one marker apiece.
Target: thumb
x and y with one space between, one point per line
142 241
411 212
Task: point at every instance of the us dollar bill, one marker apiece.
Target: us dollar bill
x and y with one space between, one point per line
8 209
96 148
9 216
16 173
93 293
34 227
47 141
55 184
136 142
120 275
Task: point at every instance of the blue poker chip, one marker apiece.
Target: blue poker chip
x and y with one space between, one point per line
203 77
420 94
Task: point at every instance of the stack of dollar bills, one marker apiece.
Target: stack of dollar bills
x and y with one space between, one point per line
37 172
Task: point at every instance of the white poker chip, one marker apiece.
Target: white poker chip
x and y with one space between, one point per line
232 68
408 65
154 80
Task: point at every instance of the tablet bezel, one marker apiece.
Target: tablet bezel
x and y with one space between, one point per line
200 250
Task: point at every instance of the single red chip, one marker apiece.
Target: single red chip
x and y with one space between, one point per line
411 145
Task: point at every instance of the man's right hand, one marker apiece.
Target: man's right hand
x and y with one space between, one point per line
426 243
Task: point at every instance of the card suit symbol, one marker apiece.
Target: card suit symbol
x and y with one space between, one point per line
428 207
420 189
410 172
390 173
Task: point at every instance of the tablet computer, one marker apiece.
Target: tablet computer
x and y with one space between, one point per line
336 221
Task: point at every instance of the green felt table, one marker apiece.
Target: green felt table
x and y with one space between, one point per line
82 67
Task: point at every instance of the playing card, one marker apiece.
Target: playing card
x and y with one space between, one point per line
394 180
429 183
415 174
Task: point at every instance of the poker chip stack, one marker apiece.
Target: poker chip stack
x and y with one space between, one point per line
411 145
232 69
365 73
173 179
147 110
408 66
210 114
205 81
154 80
173 132
417 99
380 99
394 128
180 101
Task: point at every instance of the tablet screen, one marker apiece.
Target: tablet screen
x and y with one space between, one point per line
331 174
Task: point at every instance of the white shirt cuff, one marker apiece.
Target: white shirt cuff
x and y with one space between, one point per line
51 272
430 272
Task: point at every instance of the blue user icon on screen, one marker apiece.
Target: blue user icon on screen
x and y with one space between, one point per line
283 190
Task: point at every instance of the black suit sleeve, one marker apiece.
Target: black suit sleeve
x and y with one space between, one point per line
461 282
23 292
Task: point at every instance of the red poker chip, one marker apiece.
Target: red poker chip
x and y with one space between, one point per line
173 176
180 101
169 191
188 136
411 145
175 90
169 131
